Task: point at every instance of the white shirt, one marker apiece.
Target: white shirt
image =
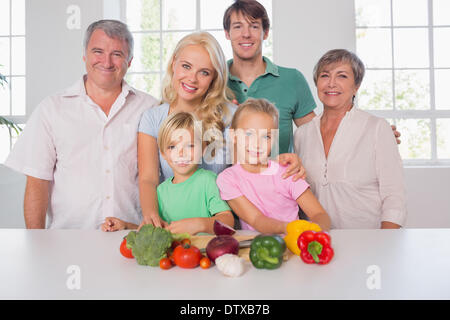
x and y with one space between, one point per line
90 158
360 184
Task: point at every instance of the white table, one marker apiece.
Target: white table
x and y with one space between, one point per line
45 264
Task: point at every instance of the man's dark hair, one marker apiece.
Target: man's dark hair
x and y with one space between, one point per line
248 8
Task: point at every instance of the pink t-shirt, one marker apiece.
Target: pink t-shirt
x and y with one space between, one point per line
274 196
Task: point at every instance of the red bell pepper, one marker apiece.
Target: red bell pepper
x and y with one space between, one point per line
315 247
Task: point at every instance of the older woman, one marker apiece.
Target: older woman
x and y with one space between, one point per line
351 156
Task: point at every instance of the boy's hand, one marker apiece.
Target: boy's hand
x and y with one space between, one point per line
294 164
113 224
154 220
188 225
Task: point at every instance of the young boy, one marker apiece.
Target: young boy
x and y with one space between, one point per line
190 200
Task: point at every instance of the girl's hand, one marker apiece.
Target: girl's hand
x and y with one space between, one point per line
294 164
188 225
113 224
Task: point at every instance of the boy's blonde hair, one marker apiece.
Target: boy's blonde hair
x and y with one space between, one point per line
256 105
177 121
213 108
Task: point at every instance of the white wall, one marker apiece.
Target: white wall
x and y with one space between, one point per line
303 31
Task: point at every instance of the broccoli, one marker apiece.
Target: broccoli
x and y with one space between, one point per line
150 244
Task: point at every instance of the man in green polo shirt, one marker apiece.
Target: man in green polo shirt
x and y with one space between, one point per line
246 25
251 75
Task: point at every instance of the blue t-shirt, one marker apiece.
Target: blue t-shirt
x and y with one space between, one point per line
153 118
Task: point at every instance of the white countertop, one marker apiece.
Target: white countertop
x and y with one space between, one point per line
411 264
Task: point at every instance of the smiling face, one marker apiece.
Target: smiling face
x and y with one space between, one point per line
106 61
246 36
336 86
183 153
253 137
193 73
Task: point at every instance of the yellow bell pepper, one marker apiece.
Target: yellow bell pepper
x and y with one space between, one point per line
294 229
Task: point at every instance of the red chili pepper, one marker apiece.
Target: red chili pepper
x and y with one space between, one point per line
315 247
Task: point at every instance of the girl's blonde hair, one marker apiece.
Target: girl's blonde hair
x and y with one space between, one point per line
255 105
213 108
177 121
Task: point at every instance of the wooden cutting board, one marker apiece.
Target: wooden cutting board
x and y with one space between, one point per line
201 242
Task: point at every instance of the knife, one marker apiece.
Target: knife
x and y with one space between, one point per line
242 244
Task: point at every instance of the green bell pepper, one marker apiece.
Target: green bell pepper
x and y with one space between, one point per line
266 251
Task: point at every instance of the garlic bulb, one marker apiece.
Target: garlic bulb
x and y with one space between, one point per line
230 265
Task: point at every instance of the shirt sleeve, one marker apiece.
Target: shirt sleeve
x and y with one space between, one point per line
294 188
305 100
229 189
215 202
150 122
390 175
34 153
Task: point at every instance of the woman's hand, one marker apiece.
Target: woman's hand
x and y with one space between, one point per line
294 164
396 133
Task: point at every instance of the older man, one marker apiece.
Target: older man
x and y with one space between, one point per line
79 147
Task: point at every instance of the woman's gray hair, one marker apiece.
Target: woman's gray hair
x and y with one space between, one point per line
113 29
341 55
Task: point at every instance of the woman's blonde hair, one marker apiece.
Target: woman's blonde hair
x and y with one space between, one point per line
178 121
255 105
213 108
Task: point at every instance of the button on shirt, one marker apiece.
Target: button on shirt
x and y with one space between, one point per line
286 88
360 184
89 157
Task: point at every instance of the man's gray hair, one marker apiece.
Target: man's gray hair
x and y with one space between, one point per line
341 55
113 29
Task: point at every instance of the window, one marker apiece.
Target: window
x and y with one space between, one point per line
157 26
405 47
12 66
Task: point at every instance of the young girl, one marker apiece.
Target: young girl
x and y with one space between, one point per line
254 187
190 200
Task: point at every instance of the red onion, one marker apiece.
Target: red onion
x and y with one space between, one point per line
221 245
221 228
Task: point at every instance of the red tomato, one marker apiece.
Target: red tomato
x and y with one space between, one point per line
124 250
165 263
187 256
205 263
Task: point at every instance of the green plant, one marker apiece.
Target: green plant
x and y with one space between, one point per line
3 121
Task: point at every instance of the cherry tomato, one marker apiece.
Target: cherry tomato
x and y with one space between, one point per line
165 263
205 263
186 241
127 253
187 256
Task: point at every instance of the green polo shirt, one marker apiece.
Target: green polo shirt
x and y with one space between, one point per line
196 197
286 88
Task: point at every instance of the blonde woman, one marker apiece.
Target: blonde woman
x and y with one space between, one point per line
196 82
